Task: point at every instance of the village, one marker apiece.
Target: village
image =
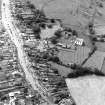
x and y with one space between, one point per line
14 89
53 50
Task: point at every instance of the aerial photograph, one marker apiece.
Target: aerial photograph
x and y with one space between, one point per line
52 52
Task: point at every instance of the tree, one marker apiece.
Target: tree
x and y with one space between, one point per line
30 5
36 30
37 36
98 72
73 66
42 25
3 30
1 58
74 32
94 39
19 17
3 98
93 49
58 34
39 16
91 28
54 59
52 20
54 40
67 29
102 40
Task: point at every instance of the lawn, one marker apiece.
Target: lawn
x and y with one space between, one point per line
71 12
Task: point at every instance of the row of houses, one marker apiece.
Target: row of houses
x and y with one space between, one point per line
50 80
11 77
44 74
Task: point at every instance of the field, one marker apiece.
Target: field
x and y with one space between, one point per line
87 90
76 14
71 12
75 56
96 61
63 71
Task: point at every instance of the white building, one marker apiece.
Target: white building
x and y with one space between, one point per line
79 41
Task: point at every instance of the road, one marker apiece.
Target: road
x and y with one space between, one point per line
17 40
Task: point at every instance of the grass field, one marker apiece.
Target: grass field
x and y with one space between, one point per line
63 71
72 12
59 9
76 56
96 61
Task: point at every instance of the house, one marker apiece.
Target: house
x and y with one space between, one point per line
79 41
12 94
17 73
